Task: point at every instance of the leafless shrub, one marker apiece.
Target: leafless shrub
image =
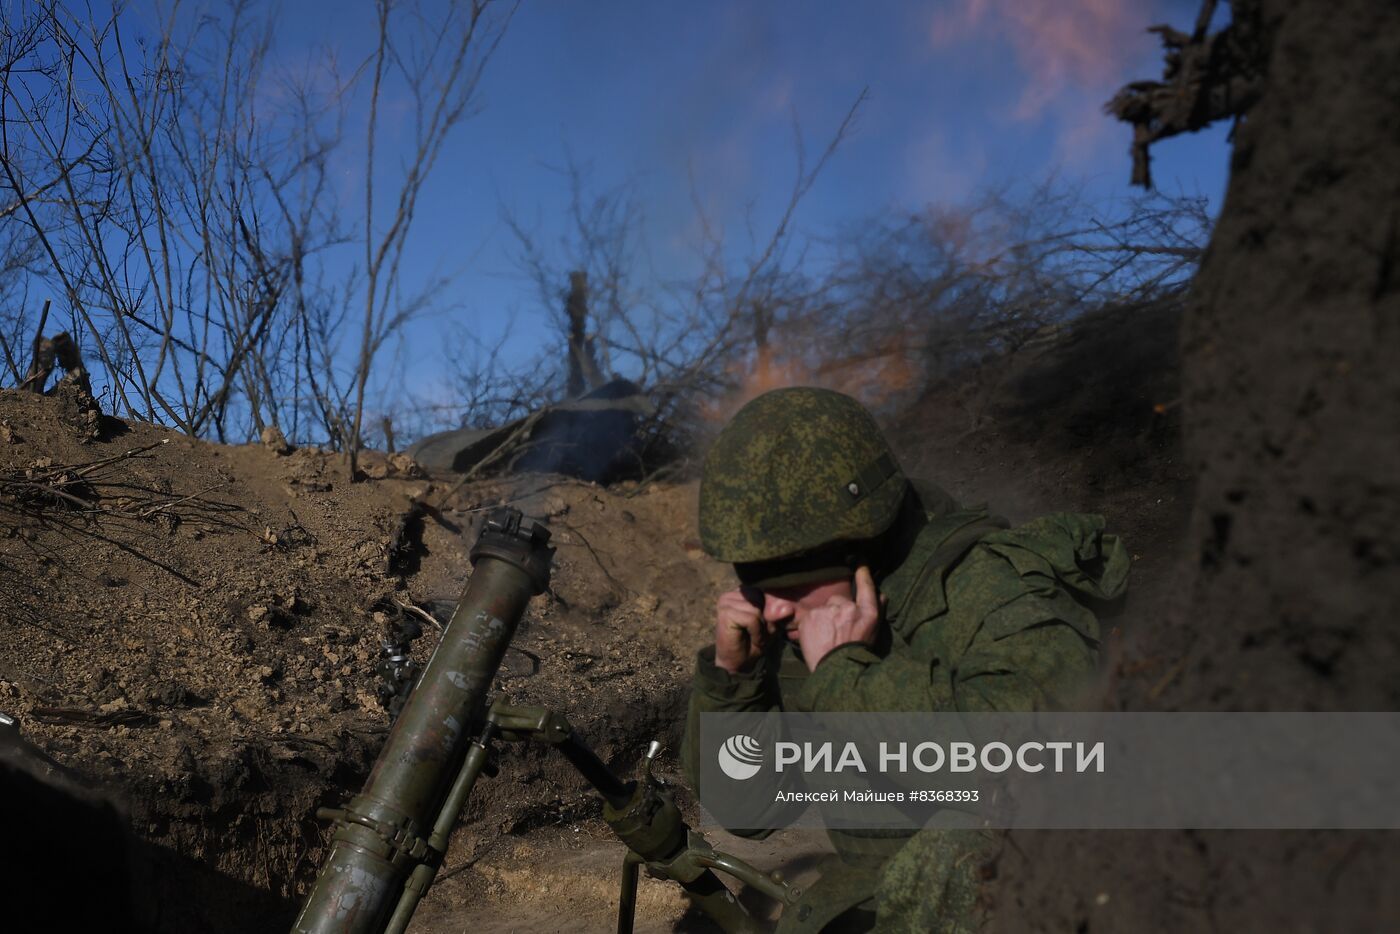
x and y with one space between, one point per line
173 188
917 299
893 304
588 285
677 340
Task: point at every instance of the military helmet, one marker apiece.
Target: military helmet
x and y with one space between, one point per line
797 472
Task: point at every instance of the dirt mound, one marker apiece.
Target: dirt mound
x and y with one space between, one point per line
196 628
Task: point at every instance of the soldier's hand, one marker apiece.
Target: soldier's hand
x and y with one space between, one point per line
740 632
842 620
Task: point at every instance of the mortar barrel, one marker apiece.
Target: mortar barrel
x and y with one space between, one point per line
382 834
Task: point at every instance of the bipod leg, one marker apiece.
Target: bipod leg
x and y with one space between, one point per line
425 872
627 900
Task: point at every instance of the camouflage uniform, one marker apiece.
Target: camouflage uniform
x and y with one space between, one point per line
980 617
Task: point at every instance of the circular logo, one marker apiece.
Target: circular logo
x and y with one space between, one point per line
740 757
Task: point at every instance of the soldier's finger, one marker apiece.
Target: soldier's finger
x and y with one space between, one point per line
867 597
749 624
736 598
754 626
743 636
732 604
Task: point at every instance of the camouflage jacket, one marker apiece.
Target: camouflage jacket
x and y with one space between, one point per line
979 617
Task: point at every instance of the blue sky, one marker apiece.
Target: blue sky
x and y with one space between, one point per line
963 95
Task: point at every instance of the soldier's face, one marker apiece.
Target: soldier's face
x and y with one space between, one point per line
787 607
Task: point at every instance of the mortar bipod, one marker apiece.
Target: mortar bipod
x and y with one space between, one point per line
644 815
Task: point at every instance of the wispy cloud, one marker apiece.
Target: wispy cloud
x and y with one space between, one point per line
1070 55
943 168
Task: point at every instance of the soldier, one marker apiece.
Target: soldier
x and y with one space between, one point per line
861 590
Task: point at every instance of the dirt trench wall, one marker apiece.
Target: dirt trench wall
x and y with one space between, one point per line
1290 343
1290 573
